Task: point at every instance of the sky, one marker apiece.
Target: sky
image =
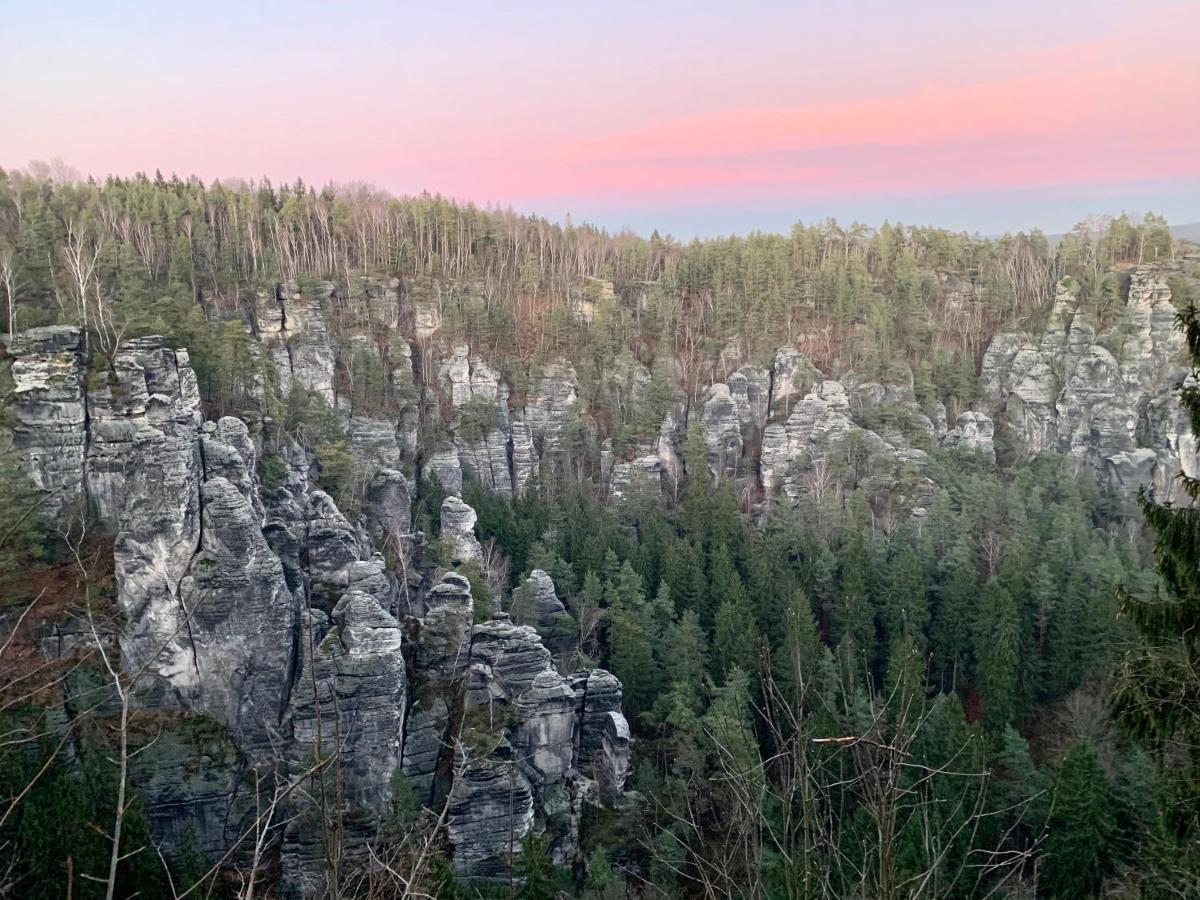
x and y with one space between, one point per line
693 118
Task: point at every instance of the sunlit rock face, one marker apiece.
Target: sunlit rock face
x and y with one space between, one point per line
1100 396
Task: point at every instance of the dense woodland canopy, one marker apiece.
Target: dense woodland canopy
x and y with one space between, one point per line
131 253
823 707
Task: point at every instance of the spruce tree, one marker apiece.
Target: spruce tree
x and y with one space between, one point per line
1077 851
1158 691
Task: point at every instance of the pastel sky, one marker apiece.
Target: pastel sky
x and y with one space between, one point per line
692 117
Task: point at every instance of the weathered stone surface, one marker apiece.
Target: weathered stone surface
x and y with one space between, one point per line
722 430
974 431
293 327
645 472
505 660
350 694
458 528
750 387
439 666
389 497
49 427
443 466
550 403
1099 396
543 739
373 442
241 621
147 408
540 607
820 443
263 610
144 477
524 454
229 453
605 748
340 558
491 810
791 373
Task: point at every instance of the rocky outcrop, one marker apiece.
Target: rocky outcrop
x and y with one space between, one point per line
390 497
292 325
264 611
791 373
458 529
491 811
373 443
551 402
604 746
820 445
442 466
482 425
50 423
349 698
722 431
240 622
339 557
1100 395
439 666
973 431
144 475
537 604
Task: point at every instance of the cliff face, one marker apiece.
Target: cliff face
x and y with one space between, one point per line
267 629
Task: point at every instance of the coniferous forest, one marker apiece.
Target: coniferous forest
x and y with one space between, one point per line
884 614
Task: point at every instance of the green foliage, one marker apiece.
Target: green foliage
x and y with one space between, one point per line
1078 855
481 591
57 828
271 471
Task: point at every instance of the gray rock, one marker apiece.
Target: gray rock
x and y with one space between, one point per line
605 748
1099 397
551 402
439 667
722 431
373 442
389 497
49 431
491 810
350 695
974 431
458 528
340 558
292 325
443 466
241 621
790 372
537 604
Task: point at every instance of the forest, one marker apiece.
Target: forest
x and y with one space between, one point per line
996 699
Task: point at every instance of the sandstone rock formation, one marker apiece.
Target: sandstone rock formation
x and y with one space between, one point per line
259 622
1101 394
49 430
